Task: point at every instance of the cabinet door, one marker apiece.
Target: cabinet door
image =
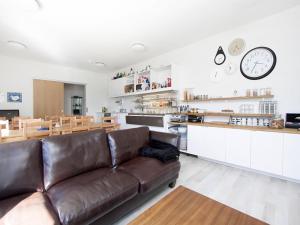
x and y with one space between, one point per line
116 87
291 156
194 142
267 152
214 140
238 147
208 142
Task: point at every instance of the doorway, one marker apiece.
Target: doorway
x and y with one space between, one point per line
74 99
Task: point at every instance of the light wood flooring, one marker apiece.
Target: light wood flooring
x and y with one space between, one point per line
272 200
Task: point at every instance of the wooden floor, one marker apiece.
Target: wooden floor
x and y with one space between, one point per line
186 207
272 200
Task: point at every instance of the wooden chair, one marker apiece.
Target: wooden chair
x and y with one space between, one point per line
23 121
15 122
4 124
37 129
82 124
12 138
55 119
66 124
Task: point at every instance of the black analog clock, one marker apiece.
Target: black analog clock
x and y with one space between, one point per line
220 56
258 63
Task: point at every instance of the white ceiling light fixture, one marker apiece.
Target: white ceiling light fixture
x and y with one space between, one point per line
17 45
99 64
138 47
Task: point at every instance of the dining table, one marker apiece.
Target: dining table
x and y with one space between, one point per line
11 135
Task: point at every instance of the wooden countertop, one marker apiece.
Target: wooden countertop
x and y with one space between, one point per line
224 125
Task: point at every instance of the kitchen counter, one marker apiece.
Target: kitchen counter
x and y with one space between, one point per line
146 114
224 125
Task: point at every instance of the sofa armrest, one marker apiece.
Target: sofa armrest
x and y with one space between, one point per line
169 138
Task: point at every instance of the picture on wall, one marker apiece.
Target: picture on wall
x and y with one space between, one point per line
14 97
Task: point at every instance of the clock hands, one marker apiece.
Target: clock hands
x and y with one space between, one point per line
256 63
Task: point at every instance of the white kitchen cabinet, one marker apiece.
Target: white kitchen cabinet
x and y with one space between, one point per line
291 156
195 137
116 87
207 142
267 152
238 150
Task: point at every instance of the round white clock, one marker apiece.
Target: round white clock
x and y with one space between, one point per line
258 63
237 46
216 76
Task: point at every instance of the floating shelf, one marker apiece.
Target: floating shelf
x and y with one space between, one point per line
225 114
230 98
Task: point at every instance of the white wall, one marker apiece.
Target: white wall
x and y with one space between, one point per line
280 32
17 75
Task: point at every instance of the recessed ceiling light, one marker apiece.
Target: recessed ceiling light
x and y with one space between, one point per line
138 47
17 45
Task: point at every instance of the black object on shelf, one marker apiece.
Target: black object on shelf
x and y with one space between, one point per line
292 120
77 107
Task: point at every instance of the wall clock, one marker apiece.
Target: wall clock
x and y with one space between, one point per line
220 56
230 68
258 63
236 47
216 76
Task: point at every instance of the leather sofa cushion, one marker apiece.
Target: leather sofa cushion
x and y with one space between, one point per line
172 139
21 168
27 209
125 144
69 155
150 172
87 197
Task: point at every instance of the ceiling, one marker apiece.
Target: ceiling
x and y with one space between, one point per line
78 32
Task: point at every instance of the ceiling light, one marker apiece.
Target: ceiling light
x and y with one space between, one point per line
100 64
138 47
16 45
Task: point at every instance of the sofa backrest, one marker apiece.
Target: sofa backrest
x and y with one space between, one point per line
20 168
66 156
125 144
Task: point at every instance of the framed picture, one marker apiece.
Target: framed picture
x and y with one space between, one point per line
15 97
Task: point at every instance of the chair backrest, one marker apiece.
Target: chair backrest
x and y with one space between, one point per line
2 118
82 124
15 121
4 124
54 119
37 129
67 121
24 121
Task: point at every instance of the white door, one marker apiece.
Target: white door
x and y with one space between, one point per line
238 147
267 152
291 156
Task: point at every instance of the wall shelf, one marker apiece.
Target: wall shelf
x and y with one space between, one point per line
225 114
230 98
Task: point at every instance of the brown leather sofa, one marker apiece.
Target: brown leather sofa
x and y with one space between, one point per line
82 178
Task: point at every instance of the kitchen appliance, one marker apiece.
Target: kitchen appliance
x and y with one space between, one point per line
195 119
180 130
178 118
292 120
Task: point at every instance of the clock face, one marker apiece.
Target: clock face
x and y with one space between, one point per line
220 56
236 47
219 59
258 63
